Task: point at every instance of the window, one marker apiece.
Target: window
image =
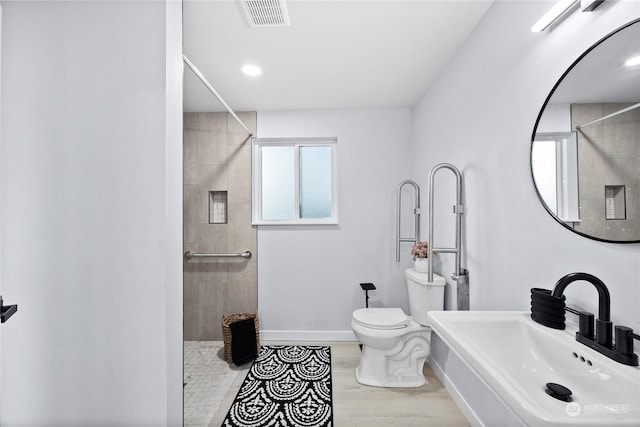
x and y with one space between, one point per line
294 181
554 162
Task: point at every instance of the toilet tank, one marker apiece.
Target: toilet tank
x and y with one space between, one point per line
424 296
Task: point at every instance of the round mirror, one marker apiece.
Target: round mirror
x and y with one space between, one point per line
585 149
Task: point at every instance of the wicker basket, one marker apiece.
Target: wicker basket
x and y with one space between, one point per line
226 331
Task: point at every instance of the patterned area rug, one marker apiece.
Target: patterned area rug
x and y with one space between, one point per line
287 386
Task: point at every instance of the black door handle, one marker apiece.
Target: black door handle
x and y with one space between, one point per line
7 311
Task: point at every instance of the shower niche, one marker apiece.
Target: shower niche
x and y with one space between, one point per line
615 202
218 212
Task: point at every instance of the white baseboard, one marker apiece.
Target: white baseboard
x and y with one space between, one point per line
326 336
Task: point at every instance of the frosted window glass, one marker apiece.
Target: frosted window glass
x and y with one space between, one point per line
294 181
315 182
278 183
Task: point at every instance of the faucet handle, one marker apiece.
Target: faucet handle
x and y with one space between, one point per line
585 324
604 332
624 340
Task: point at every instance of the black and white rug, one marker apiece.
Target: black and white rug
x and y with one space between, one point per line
287 386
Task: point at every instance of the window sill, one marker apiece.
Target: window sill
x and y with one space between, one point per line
297 222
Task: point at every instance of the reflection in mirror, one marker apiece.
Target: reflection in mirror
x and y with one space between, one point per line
554 161
585 153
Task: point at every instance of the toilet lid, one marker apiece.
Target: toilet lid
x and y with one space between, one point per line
381 318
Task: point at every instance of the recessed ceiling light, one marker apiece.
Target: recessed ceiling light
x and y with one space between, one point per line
633 61
251 70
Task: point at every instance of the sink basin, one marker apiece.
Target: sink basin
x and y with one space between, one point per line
514 358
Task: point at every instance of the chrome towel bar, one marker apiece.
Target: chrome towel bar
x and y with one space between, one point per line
458 210
460 275
416 219
188 255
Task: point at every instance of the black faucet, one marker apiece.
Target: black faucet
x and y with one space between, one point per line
603 322
622 351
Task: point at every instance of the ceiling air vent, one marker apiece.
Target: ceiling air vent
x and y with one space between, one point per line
266 13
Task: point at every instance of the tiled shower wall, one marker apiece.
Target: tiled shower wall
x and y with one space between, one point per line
217 157
609 154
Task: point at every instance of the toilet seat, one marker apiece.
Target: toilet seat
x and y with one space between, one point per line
381 318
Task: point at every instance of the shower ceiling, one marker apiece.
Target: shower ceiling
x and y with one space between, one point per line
334 54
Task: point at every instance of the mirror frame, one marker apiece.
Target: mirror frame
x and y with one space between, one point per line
535 128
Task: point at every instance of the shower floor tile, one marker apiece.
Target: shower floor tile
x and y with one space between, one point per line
208 378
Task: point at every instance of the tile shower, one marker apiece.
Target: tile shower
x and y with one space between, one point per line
608 163
217 219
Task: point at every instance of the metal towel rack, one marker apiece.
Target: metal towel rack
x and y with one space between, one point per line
416 212
461 275
188 255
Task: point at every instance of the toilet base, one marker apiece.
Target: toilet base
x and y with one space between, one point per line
399 367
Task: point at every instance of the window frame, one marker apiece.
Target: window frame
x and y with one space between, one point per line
297 143
567 194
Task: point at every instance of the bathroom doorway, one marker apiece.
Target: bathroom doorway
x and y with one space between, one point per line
217 223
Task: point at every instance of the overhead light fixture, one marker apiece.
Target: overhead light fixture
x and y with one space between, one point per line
632 62
251 70
555 13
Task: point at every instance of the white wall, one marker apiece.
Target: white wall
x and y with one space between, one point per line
556 118
480 116
1 238
309 276
173 212
91 213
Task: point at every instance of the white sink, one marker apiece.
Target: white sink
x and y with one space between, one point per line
515 358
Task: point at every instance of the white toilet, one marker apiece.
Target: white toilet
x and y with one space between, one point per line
394 345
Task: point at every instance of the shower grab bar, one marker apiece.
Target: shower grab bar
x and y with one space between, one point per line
458 209
416 213
214 92
188 255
